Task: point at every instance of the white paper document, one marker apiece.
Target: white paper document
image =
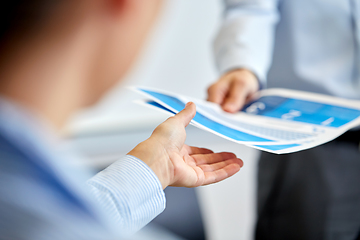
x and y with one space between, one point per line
275 120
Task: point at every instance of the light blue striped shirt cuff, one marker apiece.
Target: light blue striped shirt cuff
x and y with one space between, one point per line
129 191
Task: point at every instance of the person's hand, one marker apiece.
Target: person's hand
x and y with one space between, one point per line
177 164
233 89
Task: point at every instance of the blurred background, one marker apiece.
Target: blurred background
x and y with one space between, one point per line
177 58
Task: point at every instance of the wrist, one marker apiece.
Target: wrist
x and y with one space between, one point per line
156 157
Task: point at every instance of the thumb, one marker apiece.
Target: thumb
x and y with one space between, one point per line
186 114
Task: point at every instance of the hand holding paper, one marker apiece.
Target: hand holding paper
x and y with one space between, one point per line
233 89
177 164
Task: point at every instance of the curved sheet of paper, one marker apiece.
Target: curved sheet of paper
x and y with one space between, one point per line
278 121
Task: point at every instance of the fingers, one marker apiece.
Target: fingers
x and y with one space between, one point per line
221 165
196 150
221 174
217 166
204 168
218 91
186 114
236 97
232 90
202 177
201 159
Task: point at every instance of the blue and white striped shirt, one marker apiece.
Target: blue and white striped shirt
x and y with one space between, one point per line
42 195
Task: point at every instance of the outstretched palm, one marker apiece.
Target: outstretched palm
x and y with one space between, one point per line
177 164
199 166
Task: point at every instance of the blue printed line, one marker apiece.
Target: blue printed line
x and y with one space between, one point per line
178 105
277 147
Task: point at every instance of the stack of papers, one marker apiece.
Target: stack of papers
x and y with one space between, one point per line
275 120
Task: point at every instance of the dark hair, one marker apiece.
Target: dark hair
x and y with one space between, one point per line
18 18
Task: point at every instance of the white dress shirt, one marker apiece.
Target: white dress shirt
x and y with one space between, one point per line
310 45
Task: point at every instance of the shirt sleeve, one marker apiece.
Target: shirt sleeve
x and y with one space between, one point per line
129 191
246 37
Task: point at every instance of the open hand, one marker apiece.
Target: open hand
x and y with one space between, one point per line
177 164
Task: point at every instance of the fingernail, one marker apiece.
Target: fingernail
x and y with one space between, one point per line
188 104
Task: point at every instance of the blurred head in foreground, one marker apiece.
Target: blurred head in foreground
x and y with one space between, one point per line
60 55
